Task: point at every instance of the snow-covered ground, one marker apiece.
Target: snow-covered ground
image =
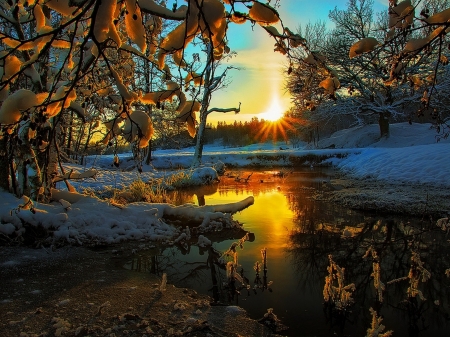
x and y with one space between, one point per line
411 155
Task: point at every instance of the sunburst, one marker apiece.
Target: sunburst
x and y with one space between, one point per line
274 112
278 124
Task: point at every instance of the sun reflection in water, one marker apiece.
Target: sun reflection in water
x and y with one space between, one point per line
270 218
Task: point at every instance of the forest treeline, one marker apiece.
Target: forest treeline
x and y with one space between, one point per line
230 134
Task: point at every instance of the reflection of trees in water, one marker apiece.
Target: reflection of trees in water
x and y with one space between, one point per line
144 263
319 232
205 269
313 240
207 272
176 262
188 195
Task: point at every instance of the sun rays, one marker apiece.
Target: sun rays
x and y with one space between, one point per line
273 130
278 125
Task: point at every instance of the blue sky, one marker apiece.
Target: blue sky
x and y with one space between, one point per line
259 85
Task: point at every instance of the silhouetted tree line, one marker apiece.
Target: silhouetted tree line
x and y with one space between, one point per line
242 133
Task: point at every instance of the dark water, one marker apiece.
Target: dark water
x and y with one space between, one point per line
299 234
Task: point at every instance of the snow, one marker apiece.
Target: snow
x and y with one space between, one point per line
395 164
263 14
203 241
134 26
234 310
411 154
12 107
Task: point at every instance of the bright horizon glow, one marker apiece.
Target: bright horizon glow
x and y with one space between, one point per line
274 112
258 72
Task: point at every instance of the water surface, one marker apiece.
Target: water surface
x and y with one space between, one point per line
299 234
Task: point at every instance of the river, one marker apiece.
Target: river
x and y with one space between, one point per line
299 235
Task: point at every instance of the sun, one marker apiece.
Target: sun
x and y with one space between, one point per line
279 123
274 112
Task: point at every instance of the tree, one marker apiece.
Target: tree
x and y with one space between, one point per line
211 84
386 78
78 58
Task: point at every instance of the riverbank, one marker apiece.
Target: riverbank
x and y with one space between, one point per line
406 173
421 200
77 291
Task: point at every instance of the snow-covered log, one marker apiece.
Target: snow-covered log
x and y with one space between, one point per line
80 219
209 217
91 173
198 212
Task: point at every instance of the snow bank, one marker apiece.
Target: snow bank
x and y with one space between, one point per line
401 135
90 220
416 164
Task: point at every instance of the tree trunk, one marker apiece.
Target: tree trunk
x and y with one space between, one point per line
383 122
86 144
29 173
200 139
204 110
4 164
50 170
77 144
148 72
148 159
69 136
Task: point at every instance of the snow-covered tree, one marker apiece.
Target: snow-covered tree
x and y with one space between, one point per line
211 83
65 59
385 66
81 58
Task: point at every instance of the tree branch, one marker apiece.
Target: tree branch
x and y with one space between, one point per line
236 110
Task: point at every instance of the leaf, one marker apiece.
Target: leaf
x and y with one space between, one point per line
39 17
238 18
12 107
103 23
418 44
395 14
61 6
310 59
188 115
330 85
191 126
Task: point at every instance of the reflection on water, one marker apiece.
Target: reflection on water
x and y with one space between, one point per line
298 235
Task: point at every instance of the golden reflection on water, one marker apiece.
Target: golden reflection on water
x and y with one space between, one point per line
269 218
